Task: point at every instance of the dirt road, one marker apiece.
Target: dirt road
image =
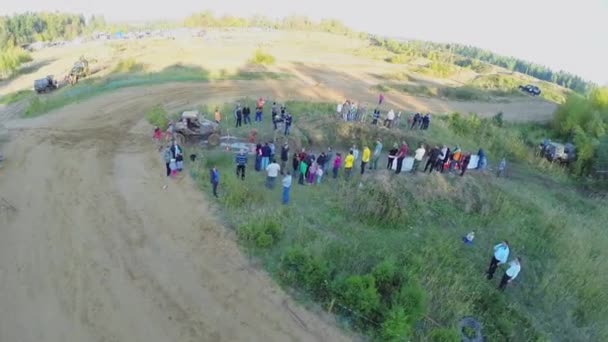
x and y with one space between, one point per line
93 248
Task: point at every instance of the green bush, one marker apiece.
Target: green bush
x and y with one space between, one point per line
157 116
262 232
444 335
399 59
358 293
396 327
414 299
303 269
262 58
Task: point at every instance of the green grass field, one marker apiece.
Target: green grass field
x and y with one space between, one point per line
386 257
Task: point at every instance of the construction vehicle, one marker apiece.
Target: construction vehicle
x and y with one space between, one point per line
46 84
192 128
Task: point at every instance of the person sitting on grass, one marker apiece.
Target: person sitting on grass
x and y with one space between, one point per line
468 239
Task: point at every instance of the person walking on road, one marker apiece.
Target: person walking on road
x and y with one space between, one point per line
376 155
272 171
286 187
349 161
367 153
241 164
510 274
418 155
400 156
500 256
215 180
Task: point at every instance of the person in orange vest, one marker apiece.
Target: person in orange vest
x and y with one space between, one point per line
456 157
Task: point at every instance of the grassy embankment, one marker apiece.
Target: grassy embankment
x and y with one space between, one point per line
386 257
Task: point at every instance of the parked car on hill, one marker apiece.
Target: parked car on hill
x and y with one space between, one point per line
530 89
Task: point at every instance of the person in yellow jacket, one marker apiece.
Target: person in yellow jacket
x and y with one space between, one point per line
349 161
367 153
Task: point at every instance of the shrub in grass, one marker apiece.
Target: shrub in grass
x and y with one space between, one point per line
128 65
396 326
157 116
378 203
358 293
262 232
444 335
262 58
302 269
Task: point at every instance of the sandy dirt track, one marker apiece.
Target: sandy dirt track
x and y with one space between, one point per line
93 248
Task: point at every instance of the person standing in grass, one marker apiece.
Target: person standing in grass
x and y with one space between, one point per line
500 256
215 180
367 153
286 187
303 169
265 156
241 164
376 116
238 115
376 155
328 159
322 160
464 164
258 114
288 121
247 115
400 156
355 152
272 171
390 116
319 174
217 115
284 157
418 155
392 154
349 161
501 168
312 172
168 156
434 156
337 164
510 274
446 158
295 162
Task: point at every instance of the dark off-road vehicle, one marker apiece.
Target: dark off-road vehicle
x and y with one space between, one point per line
530 89
46 84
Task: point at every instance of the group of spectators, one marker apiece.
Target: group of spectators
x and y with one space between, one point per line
242 115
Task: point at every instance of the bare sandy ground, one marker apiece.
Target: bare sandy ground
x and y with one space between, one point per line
94 248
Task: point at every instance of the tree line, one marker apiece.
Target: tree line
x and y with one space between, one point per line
25 28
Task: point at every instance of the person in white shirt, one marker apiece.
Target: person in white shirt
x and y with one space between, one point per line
418 155
272 170
511 273
355 152
286 187
339 109
390 116
500 256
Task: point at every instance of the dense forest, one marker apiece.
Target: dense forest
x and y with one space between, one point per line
26 28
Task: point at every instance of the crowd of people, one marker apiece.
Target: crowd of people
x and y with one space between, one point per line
280 117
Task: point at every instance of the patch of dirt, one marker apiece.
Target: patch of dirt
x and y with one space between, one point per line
97 245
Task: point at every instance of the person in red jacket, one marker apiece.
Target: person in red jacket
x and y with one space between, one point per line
400 156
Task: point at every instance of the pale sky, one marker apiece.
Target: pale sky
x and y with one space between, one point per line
562 34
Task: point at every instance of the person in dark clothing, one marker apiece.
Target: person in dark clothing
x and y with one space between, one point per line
400 156
215 180
295 162
288 121
258 157
464 163
322 160
247 115
433 157
266 152
284 157
376 116
241 163
239 116
446 158
426 120
275 121
416 120
283 112
392 154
